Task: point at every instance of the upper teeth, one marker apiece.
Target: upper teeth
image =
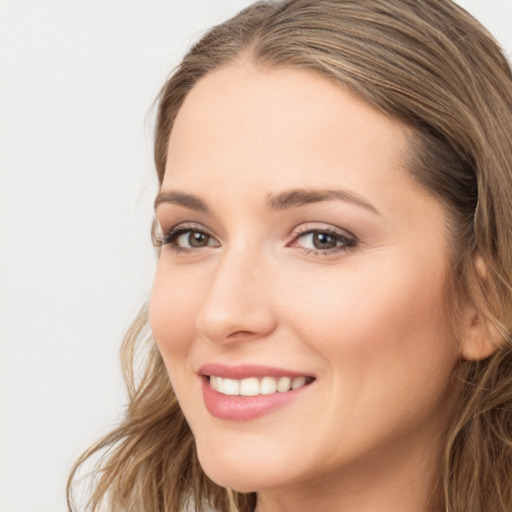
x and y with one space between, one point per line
254 386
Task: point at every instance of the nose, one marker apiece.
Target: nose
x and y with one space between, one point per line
238 305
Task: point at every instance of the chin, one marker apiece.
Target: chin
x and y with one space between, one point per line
241 471
232 477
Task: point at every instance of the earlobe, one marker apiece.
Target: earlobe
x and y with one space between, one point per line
479 337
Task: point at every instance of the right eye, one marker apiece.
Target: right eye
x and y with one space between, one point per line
192 239
188 238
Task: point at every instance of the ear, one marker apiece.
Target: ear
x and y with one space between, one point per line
479 338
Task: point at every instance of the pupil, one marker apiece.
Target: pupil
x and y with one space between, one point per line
197 239
324 241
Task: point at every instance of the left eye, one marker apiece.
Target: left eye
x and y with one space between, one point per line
323 241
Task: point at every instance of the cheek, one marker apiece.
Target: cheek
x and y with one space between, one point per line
173 308
172 311
389 347
377 321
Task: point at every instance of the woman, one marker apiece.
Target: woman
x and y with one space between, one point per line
331 309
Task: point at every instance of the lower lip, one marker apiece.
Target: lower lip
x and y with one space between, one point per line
244 408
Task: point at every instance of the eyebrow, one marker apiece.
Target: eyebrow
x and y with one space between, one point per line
180 198
302 197
282 201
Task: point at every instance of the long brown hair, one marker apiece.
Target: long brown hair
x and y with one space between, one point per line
432 66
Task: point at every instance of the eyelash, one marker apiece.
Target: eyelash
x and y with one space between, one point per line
347 241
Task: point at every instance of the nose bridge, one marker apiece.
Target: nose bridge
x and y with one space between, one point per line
239 297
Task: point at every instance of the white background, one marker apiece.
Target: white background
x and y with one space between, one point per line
77 79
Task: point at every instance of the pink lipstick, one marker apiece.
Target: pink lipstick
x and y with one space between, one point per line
246 392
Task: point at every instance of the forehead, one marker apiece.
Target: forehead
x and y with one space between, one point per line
283 127
247 96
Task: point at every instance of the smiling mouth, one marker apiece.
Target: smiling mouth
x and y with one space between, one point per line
254 386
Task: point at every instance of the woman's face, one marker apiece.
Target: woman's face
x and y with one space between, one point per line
298 252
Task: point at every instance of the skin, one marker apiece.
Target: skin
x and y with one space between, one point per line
369 320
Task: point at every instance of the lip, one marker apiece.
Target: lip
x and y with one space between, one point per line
245 371
246 408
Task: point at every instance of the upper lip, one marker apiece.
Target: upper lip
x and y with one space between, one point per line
244 371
